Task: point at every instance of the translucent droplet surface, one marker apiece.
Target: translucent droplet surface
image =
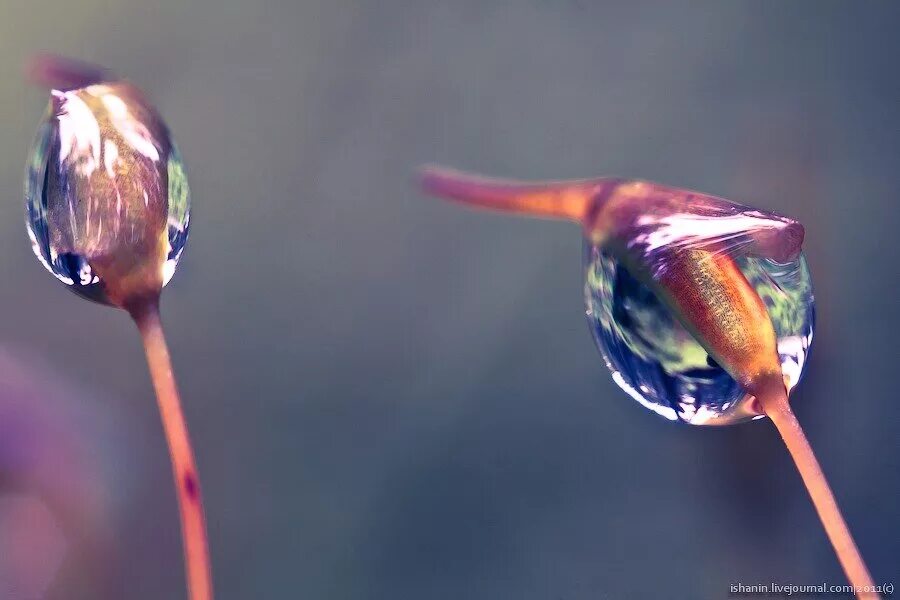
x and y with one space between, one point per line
105 190
662 366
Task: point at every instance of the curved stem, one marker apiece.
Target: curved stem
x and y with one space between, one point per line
779 411
184 468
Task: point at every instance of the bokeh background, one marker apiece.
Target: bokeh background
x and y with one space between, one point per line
392 397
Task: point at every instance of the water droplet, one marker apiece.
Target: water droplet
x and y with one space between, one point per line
106 196
662 366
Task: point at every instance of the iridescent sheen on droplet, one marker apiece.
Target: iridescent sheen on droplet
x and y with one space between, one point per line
662 366
105 185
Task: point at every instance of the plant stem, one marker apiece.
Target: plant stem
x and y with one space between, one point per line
779 411
184 468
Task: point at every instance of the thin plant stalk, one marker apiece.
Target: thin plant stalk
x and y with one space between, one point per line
184 468
778 409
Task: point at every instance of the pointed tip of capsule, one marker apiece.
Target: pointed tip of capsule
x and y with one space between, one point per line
62 73
562 199
430 178
469 188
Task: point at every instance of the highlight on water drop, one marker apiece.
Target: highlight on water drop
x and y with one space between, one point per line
658 362
106 198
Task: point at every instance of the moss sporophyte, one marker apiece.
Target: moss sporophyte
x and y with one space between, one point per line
108 211
702 308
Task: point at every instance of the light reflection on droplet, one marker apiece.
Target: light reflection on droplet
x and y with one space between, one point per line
662 366
101 168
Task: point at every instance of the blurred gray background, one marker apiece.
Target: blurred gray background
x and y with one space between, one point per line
392 397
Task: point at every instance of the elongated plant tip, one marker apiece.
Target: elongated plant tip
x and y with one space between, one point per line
561 199
441 181
61 73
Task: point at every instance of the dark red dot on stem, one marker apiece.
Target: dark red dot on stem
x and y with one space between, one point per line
190 486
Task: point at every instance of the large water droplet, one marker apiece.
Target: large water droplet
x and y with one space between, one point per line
662 366
105 184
